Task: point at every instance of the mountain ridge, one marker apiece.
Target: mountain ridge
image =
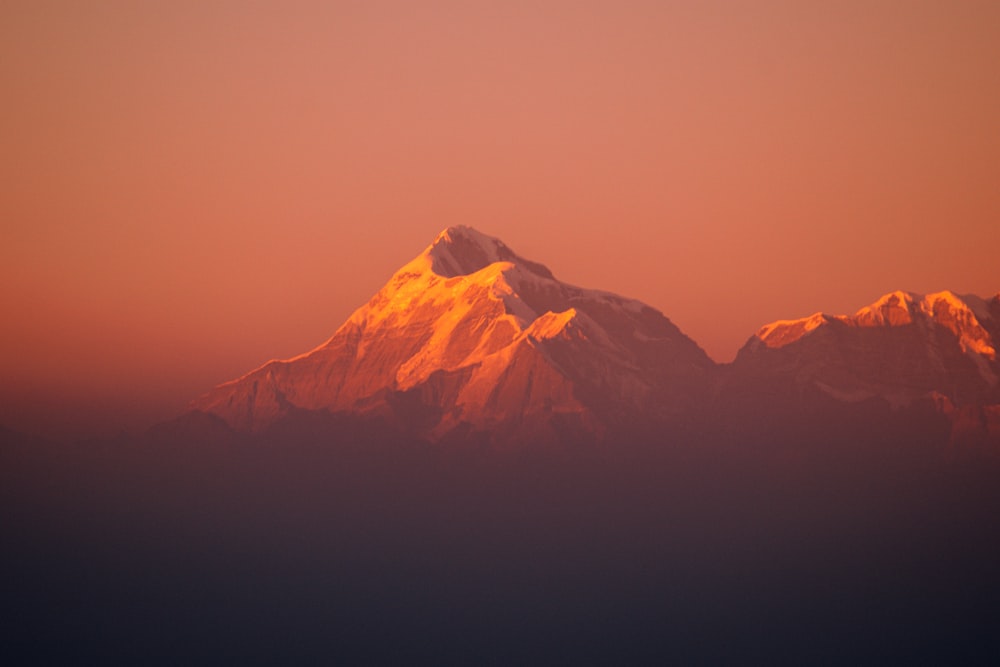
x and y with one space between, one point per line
909 342
470 339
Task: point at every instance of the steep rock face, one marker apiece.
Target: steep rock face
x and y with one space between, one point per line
471 337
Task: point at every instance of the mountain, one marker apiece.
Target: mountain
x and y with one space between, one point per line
901 347
470 339
904 350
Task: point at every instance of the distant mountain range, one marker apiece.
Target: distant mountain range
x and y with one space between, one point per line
472 341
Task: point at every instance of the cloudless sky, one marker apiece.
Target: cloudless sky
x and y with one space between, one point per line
188 189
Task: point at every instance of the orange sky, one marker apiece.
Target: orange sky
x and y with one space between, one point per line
188 189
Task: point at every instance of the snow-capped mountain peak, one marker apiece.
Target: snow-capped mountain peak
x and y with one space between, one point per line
968 317
904 345
483 337
462 250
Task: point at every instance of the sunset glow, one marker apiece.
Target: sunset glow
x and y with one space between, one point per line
190 189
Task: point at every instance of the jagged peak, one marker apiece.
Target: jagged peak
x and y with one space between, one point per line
912 303
892 309
965 316
898 297
462 250
462 266
978 307
467 232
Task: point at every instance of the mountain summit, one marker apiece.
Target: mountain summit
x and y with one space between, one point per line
470 338
908 352
901 347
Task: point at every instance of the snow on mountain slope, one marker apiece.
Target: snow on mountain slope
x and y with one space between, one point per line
902 346
471 336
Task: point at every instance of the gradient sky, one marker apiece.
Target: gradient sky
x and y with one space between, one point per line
188 189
